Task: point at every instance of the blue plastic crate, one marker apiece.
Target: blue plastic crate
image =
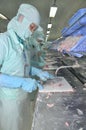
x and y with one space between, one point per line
76 16
76 26
79 49
80 46
79 23
69 31
80 31
64 32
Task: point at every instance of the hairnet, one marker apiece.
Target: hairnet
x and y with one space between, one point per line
30 13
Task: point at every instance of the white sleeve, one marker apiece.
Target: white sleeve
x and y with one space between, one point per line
2 51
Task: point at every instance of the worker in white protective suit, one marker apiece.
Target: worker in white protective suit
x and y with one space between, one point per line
15 82
35 42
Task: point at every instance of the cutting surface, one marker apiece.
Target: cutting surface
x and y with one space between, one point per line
58 84
60 111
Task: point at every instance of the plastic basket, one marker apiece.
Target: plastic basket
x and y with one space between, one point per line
69 30
80 31
79 49
76 16
80 46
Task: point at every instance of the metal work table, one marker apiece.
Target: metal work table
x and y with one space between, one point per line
61 111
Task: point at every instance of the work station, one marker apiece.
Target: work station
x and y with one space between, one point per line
43 65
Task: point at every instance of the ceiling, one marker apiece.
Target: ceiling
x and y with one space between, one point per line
66 8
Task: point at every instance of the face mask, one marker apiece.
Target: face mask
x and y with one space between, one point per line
25 28
21 28
27 34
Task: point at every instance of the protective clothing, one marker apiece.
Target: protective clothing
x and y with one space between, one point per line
38 34
13 100
26 84
15 111
25 12
30 85
34 42
38 61
43 75
10 81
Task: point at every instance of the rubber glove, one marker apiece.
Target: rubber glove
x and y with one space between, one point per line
30 85
26 84
43 75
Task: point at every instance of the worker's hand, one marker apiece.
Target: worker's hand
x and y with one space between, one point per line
14 82
30 85
43 75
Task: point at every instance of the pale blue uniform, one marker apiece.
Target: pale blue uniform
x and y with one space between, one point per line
14 103
15 82
35 47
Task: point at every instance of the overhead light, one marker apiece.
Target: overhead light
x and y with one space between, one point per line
46 38
53 9
49 25
47 35
3 17
48 32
